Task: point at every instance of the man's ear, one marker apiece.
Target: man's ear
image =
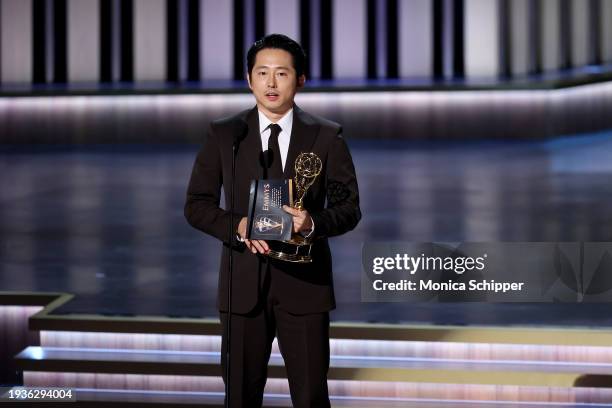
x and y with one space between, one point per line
301 81
248 78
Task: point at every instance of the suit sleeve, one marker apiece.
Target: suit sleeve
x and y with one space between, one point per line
342 211
202 209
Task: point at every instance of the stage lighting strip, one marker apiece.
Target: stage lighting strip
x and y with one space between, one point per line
366 390
38 353
388 402
338 347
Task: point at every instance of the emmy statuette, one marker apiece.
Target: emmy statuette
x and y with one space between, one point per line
297 249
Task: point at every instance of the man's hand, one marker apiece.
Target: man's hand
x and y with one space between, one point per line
255 245
301 219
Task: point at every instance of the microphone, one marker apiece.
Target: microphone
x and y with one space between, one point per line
263 162
269 157
266 158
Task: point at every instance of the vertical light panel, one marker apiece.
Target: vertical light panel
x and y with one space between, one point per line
481 38
580 34
83 40
519 33
149 40
415 38
350 44
606 30
49 41
282 16
550 30
315 39
381 38
183 38
216 39
16 40
116 40
249 23
448 36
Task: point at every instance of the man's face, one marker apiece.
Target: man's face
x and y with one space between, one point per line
273 82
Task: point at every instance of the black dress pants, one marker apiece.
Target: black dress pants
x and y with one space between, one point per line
303 342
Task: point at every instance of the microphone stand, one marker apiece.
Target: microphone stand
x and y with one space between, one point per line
242 129
229 283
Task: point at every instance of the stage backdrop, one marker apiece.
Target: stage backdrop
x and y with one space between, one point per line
60 41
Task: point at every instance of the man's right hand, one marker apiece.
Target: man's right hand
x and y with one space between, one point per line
254 245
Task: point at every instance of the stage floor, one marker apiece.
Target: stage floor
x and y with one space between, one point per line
106 222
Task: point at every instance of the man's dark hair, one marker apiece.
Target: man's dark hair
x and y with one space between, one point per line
281 42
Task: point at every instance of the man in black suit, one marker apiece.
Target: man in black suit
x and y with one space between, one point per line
271 297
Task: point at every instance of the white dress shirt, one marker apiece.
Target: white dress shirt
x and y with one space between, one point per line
286 124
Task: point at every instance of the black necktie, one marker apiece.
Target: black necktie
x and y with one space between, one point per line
276 165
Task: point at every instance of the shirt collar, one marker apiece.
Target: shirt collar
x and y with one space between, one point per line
286 122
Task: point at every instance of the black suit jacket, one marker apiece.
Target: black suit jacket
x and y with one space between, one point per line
332 201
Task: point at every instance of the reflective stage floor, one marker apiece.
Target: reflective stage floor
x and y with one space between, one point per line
106 222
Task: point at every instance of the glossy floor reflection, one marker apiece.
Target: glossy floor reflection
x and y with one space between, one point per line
106 222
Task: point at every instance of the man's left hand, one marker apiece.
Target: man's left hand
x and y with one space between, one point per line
301 219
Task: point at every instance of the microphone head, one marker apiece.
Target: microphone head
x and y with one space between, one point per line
266 158
240 130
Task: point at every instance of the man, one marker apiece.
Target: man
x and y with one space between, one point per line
271 297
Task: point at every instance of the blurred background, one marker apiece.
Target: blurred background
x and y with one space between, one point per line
468 120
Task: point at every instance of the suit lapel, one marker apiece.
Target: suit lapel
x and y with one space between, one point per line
303 136
250 149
